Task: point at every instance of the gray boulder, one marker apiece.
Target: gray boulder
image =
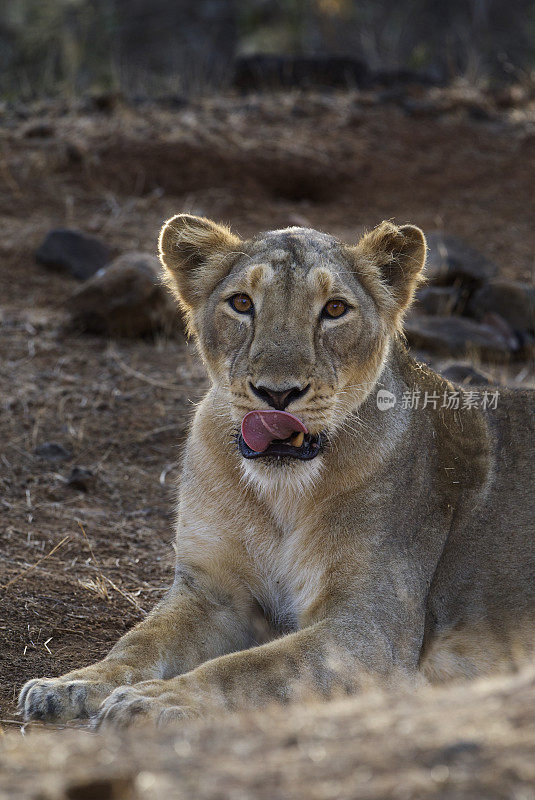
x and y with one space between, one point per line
126 298
441 300
451 260
460 337
73 252
512 300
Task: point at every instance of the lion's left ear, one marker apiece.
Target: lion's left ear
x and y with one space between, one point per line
396 256
196 254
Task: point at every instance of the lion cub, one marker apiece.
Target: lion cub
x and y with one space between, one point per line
374 542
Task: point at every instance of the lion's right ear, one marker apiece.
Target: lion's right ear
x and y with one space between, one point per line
390 260
195 253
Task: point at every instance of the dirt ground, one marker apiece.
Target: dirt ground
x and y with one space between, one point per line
78 568
466 743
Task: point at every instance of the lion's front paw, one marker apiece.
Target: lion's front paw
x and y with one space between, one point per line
53 700
60 699
127 705
150 700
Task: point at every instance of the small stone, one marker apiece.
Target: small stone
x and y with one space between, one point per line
451 260
53 451
126 298
460 337
73 252
106 102
81 479
514 301
38 130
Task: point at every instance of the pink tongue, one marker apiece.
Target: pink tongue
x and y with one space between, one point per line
259 428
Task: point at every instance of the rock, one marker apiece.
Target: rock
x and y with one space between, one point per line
53 451
512 300
73 252
458 336
465 375
81 479
503 327
126 298
265 71
400 77
441 300
527 341
451 260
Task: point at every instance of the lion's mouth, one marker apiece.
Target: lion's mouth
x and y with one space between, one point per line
283 448
267 433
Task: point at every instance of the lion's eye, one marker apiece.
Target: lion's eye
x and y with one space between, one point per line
241 303
334 309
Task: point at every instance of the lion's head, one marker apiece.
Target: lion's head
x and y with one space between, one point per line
292 320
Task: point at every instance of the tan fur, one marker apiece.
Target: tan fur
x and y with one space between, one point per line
403 552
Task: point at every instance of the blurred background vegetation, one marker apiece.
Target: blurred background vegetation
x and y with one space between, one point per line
152 47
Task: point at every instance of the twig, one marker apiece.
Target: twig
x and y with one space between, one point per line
154 432
126 595
93 556
139 375
29 569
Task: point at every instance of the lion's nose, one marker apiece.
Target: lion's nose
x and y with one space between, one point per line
277 398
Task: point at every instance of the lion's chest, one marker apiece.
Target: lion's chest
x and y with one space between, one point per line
271 580
281 576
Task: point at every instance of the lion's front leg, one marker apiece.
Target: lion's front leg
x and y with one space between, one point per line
310 663
191 625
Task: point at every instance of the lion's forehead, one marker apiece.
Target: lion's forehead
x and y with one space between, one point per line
301 248
294 258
